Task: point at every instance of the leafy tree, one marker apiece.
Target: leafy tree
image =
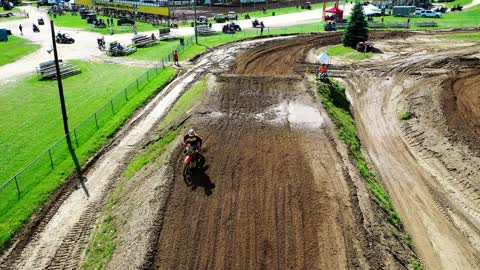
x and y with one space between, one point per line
357 28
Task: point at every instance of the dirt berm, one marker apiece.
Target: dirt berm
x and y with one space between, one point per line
279 191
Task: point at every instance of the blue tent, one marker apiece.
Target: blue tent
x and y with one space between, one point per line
323 59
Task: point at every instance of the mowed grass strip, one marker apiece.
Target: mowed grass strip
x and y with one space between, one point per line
68 20
14 213
15 48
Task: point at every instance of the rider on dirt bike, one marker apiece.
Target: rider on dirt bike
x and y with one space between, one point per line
193 139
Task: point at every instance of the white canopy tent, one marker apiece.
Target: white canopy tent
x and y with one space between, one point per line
371 10
323 59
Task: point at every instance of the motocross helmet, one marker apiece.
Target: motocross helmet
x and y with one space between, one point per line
191 132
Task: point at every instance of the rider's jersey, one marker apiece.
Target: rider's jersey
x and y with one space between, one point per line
194 140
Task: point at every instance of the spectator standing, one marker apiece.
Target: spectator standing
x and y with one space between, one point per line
21 29
261 28
111 30
408 22
134 28
383 18
111 21
175 57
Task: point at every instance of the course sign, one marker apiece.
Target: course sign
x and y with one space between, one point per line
148 8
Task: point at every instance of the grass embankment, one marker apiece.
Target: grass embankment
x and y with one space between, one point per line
37 185
475 37
68 20
15 48
334 99
347 52
103 243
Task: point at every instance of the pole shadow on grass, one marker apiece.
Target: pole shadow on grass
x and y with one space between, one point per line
78 170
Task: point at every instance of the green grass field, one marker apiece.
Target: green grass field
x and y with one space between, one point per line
34 115
68 20
347 52
31 110
15 48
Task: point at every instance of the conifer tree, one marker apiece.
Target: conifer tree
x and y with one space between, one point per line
356 30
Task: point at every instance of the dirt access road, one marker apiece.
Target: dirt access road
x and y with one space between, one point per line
277 193
428 163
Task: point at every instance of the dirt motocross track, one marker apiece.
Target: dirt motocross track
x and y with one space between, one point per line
280 191
282 196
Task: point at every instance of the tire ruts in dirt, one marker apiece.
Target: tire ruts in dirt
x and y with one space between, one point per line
269 209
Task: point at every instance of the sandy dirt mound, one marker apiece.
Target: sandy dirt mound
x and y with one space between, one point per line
461 107
432 176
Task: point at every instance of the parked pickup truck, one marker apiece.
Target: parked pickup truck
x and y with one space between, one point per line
418 11
431 14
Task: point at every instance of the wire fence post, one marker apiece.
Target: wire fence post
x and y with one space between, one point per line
96 121
75 134
137 84
51 160
125 92
111 104
18 188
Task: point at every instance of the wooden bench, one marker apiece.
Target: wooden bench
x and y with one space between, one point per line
143 41
426 24
376 25
397 25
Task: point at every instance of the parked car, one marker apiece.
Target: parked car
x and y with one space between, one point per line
202 20
418 11
220 18
125 20
231 15
307 5
431 14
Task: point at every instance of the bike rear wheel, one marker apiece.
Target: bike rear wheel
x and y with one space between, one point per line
187 174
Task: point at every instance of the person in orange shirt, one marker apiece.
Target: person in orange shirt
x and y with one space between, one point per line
322 72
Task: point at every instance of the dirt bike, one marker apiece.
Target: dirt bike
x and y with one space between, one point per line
192 160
